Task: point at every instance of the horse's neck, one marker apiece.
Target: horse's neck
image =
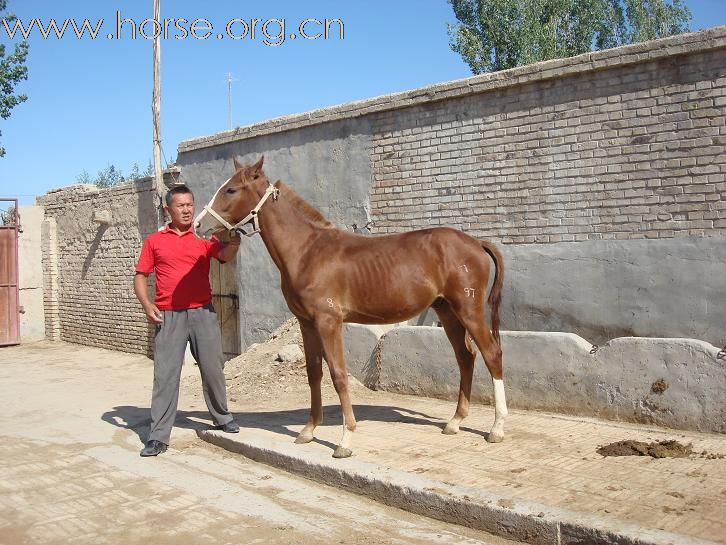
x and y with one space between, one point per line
284 231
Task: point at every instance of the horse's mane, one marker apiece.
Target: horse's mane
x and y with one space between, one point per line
302 206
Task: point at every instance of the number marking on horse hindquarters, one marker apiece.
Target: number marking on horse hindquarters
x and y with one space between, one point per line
469 292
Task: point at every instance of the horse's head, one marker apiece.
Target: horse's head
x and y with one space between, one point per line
234 200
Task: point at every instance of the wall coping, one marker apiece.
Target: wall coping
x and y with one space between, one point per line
80 192
681 44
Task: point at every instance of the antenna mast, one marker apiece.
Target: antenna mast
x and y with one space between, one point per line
229 97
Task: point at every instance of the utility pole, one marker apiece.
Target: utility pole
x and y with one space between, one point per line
229 97
156 111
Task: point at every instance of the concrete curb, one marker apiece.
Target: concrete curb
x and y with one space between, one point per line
524 521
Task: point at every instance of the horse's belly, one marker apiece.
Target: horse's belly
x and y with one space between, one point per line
385 314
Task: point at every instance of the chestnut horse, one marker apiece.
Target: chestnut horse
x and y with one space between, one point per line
330 276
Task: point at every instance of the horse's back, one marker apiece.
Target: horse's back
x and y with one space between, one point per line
429 239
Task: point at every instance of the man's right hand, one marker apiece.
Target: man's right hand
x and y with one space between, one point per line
153 314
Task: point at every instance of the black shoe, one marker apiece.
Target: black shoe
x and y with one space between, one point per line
230 427
153 448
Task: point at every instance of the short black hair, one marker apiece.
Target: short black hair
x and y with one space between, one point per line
179 189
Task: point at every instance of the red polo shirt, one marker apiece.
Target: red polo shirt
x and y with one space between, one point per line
181 264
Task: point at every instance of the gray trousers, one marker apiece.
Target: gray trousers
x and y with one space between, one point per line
200 327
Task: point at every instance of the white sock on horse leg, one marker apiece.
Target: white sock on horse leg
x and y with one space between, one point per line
347 438
500 411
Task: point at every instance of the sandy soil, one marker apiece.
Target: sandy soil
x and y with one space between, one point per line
74 420
257 374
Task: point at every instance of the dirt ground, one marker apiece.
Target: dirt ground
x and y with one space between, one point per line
612 463
74 420
257 374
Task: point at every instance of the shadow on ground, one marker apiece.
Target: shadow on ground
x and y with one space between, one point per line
137 419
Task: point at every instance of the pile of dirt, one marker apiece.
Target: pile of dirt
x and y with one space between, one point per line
257 375
658 449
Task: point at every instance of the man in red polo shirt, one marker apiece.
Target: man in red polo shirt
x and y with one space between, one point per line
182 312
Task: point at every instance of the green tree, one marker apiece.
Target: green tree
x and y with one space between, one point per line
136 172
495 35
8 216
12 71
109 177
112 176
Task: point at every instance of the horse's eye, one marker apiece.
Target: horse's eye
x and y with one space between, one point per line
231 191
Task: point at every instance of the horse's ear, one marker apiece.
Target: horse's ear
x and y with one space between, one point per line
258 165
237 164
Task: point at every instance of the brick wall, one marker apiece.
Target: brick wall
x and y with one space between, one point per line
89 264
595 147
603 176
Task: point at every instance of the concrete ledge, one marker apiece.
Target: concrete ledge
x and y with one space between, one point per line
677 383
523 521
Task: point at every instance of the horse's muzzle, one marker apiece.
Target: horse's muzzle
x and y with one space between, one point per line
203 228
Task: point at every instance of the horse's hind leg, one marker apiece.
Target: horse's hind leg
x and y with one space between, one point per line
472 317
465 356
314 367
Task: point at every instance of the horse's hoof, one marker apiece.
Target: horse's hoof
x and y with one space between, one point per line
495 438
342 452
450 429
302 439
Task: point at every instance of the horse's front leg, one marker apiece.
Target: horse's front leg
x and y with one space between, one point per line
314 367
330 331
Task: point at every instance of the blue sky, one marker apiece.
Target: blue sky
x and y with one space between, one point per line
89 100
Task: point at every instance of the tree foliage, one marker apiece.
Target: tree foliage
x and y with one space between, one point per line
495 35
8 216
112 176
12 71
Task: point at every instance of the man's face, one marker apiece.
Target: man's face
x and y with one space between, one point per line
181 210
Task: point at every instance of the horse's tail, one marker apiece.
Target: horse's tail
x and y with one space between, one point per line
495 296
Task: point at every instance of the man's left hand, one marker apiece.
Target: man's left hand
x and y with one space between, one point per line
234 239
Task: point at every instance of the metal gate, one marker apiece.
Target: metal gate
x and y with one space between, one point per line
9 293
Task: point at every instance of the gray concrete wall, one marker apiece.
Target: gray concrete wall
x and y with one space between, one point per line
601 290
30 271
327 165
677 383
